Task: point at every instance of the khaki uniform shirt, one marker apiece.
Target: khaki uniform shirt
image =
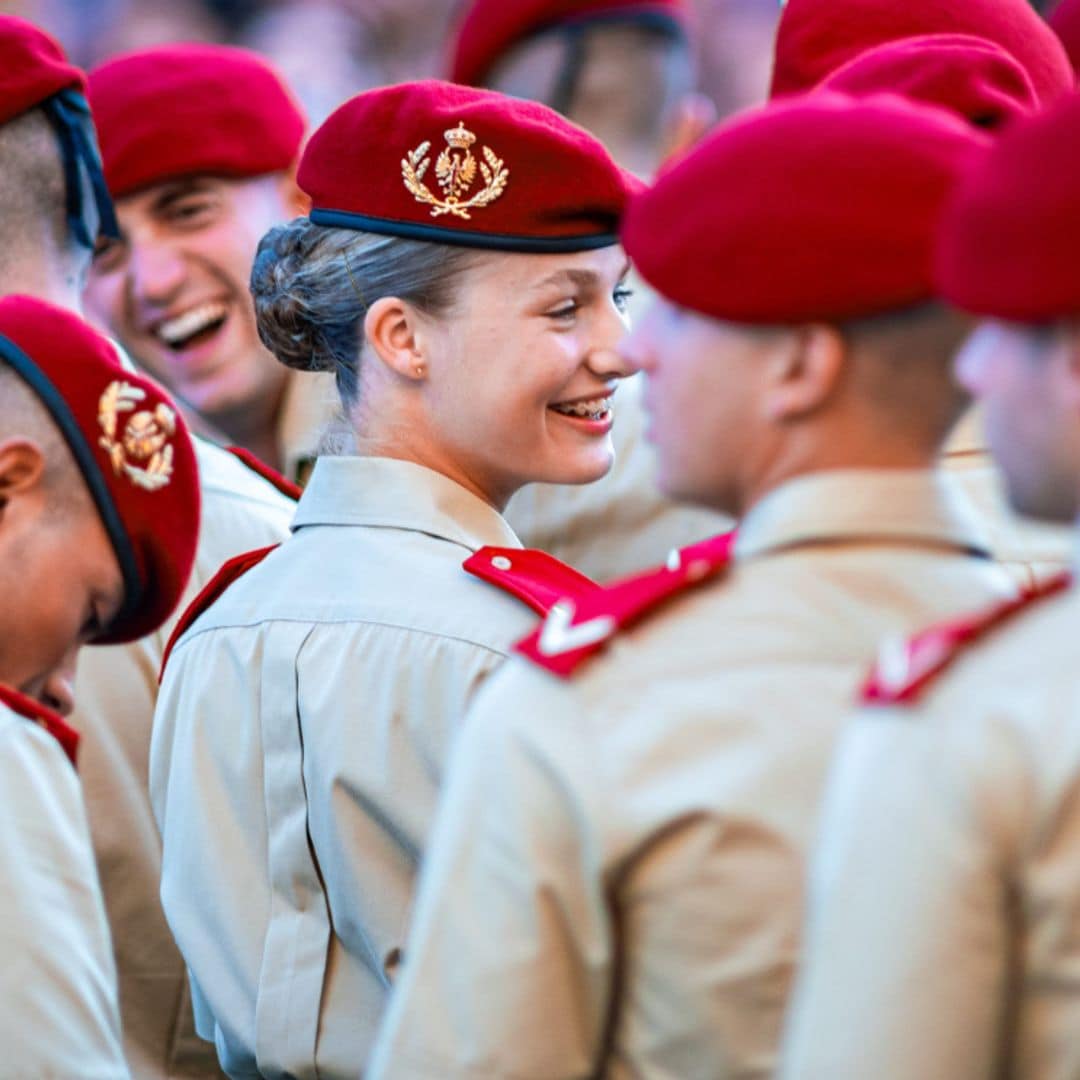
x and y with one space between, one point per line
944 940
614 885
115 691
298 745
57 979
621 524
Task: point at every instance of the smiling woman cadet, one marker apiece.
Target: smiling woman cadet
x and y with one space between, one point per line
459 272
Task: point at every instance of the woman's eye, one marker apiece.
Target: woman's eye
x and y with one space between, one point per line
622 297
567 311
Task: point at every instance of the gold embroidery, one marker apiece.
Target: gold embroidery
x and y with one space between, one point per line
145 436
455 169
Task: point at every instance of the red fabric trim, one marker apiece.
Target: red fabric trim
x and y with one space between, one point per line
930 653
52 722
534 577
578 628
236 567
272 476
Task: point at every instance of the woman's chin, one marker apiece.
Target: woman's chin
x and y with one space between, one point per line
583 470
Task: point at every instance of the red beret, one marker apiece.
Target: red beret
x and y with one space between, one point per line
1065 22
1009 237
491 28
33 67
130 444
436 161
816 37
184 110
822 208
969 75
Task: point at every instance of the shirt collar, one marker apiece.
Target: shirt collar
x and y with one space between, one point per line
390 494
898 505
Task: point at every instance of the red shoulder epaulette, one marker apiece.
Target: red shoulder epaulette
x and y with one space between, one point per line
903 672
210 592
578 627
534 577
271 476
52 722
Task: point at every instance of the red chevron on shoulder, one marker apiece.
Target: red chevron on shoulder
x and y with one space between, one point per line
534 577
578 627
52 722
237 566
905 668
271 476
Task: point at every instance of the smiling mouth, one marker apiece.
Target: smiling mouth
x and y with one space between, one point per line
597 409
192 327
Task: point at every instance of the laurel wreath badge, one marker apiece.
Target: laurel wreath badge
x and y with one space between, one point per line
455 170
144 438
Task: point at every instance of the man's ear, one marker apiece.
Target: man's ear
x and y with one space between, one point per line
1071 347
391 329
693 115
804 370
22 468
296 202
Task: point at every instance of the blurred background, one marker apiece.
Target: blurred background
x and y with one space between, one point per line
330 49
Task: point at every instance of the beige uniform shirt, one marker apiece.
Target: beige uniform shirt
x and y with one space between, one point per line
614 886
621 524
115 691
944 940
298 745
59 1018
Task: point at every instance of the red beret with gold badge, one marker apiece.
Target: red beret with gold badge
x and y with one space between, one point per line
130 444
33 67
815 37
455 165
1009 238
185 110
1065 22
966 74
821 208
490 28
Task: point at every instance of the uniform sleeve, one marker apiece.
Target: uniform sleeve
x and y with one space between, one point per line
57 979
508 965
906 953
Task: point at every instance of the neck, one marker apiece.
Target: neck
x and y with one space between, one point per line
254 427
799 457
47 279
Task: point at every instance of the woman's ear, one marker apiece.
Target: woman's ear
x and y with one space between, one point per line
805 370
391 329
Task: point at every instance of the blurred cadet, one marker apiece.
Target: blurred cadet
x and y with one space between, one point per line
968 75
199 144
1065 22
100 500
614 883
815 37
461 275
55 204
943 935
625 72
862 46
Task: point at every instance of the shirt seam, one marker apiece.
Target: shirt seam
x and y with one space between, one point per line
313 624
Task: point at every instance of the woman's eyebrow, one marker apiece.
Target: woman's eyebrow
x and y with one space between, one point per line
582 279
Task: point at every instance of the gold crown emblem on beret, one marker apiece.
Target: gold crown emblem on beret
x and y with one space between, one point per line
144 438
455 170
